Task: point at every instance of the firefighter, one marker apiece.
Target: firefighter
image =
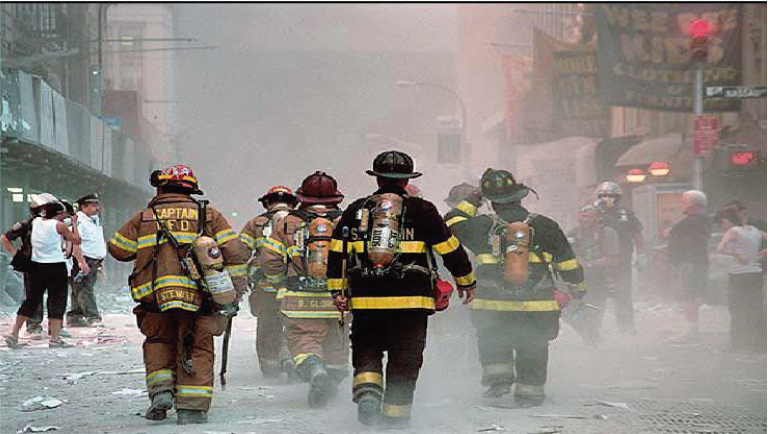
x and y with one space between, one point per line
607 200
381 267
515 312
178 317
270 343
597 248
294 258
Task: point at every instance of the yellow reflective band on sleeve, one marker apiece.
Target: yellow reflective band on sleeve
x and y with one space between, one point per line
568 265
276 278
248 240
338 246
237 270
467 208
411 247
194 391
293 251
274 245
124 243
391 410
225 236
515 306
454 220
405 302
465 280
447 246
336 284
368 378
486 258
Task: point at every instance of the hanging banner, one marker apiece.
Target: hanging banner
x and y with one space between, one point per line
517 83
644 54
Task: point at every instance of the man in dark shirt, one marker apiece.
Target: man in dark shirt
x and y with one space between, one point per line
688 254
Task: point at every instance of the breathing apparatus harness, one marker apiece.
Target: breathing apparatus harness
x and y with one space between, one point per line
303 239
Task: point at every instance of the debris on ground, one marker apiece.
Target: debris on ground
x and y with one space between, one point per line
72 378
41 403
492 428
558 416
621 405
30 428
548 430
131 392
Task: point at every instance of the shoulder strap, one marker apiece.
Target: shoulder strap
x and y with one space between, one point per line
202 216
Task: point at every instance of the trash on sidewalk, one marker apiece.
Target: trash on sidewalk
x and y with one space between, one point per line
558 416
30 428
621 405
131 392
72 378
41 403
492 428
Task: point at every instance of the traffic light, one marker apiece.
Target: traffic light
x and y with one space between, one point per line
737 160
745 158
700 31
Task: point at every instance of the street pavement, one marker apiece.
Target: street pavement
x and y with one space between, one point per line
628 384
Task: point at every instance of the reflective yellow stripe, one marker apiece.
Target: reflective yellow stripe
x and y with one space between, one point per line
300 358
465 280
310 314
181 237
124 243
368 378
179 305
568 265
194 391
293 251
286 292
336 284
357 246
276 278
454 220
338 246
274 246
517 306
411 247
498 369
248 240
447 246
225 236
159 376
532 257
144 290
237 270
486 258
391 410
467 208
405 302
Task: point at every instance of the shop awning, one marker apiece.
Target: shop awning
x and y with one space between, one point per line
664 148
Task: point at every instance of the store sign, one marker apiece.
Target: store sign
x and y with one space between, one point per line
645 57
735 92
705 134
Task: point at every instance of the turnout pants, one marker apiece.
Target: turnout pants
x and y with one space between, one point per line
170 338
83 295
403 337
270 342
514 346
321 337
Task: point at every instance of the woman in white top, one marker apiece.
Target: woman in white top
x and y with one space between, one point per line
48 272
745 281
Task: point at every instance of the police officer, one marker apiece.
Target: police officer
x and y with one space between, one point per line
177 317
514 322
295 258
608 196
270 343
381 267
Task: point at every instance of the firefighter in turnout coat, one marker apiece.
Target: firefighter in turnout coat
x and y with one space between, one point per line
381 267
514 312
270 343
177 317
294 258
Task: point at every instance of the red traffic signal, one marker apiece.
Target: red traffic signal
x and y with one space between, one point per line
743 158
700 28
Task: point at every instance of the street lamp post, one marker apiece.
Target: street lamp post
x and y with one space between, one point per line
462 107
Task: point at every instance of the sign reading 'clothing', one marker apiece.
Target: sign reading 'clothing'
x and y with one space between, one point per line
645 57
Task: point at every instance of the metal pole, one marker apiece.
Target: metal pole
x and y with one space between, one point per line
698 109
464 136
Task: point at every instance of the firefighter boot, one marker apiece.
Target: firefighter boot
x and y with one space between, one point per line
289 368
161 403
529 396
369 409
188 417
318 377
498 390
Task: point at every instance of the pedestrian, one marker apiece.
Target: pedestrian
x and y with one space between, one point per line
515 312
608 200
381 267
175 314
22 256
89 255
270 341
597 248
688 255
294 258
758 223
47 272
745 280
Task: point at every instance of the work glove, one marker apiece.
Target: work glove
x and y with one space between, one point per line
341 303
229 309
563 299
